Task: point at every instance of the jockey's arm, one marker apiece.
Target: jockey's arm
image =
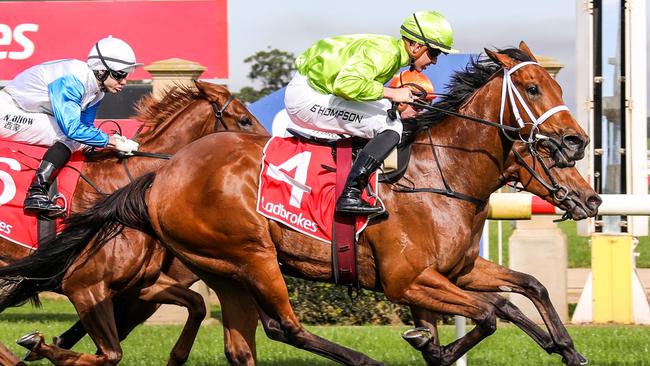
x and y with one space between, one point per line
398 94
65 97
357 79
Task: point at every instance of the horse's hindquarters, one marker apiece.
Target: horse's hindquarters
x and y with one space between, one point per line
204 208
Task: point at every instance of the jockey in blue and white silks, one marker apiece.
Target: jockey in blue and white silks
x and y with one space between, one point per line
66 95
54 104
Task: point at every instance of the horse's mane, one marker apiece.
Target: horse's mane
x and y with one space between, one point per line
154 113
464 83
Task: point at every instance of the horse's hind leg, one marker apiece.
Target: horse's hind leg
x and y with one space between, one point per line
489 277
262 276
239 317
168 291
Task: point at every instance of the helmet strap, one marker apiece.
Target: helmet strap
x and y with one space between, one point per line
101 76
413 55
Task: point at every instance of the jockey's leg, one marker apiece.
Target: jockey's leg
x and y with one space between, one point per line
368 160
38 198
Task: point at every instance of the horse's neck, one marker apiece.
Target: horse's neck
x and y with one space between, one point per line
471 155
190 124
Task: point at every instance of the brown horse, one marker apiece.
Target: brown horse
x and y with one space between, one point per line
413 263
240 326
579 199
135 261
565 188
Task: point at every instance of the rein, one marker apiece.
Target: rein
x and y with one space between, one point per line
559 192
508 91
218 113
445 192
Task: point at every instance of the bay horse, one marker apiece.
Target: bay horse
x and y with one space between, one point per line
408 264
565 188
240 324
183 115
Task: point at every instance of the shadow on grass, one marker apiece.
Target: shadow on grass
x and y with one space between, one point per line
58 317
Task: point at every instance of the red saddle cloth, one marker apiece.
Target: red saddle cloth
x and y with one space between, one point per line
18 163
297 188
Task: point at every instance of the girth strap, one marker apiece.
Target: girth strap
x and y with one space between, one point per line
344 243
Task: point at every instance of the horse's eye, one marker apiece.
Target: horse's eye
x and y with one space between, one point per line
532 90
245 121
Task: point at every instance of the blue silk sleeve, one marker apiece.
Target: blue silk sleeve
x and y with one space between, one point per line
65 96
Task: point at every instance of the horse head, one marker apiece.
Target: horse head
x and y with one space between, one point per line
186 113
533 98
564 188
229 111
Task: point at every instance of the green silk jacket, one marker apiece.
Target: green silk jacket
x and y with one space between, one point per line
354 67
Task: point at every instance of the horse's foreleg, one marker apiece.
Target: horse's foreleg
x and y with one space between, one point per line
66 340
7 358
490 277
262 277
426 319
167 291
97 318
508 311
434 292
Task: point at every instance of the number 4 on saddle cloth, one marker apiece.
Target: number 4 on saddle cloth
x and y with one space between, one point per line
298 187
18 162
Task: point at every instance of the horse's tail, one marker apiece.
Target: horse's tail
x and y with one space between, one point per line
45 268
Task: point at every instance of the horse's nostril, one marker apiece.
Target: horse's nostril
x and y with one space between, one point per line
574 142
594 201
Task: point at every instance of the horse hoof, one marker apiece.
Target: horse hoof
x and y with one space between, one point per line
417 337
581 360
31 341
31 356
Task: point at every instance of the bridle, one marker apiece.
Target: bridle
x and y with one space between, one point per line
509 92
218 113
560 193
219 120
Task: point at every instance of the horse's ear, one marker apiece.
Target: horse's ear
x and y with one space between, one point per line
524 47
500 58
200 85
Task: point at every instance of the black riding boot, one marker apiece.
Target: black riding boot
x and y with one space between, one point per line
38 198
350 201
368 160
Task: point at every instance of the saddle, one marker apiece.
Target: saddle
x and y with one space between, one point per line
344 151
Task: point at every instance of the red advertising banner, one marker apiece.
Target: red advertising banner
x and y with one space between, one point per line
32 32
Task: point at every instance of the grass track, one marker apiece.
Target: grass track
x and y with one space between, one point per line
149 344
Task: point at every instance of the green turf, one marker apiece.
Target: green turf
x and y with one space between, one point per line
150 344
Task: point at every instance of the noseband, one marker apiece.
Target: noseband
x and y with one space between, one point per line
509 91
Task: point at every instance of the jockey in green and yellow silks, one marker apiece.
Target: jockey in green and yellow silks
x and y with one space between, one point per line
339 88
